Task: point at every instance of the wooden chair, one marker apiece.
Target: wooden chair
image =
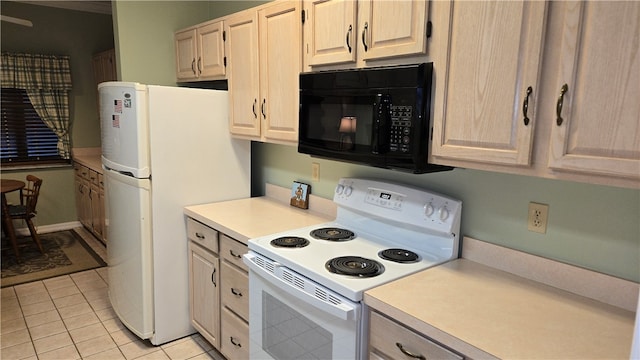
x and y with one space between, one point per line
27 208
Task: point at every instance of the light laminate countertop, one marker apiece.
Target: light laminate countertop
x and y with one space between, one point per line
259 216
89 157
483 312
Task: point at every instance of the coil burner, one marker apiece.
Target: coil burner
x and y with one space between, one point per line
290 242
399 255
333 234
354 266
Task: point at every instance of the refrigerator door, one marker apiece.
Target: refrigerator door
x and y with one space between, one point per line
130 251
125 128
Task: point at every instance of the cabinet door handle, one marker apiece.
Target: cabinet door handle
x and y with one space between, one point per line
563 90
237 256
410 354
255 102
236 292
525 106
233 341
193 66
264 104
213 279
348 36
199 236
199 65
364 32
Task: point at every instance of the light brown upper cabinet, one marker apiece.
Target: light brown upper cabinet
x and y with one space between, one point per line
200 52
264 62
548 89
362 32
104 66
488 67
596 125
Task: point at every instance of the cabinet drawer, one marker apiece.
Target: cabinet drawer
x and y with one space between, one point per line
232 251
235 290
386 334
202 234
234 342
93 177
81 171
100 180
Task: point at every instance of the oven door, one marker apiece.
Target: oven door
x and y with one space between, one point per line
291 317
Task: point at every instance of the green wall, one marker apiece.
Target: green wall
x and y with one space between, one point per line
79 35
592 226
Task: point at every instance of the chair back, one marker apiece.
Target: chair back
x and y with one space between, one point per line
31 192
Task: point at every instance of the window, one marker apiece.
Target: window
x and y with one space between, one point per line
26 139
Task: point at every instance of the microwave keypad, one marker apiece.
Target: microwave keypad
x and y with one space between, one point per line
400 133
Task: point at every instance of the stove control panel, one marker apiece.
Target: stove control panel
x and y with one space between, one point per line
400 203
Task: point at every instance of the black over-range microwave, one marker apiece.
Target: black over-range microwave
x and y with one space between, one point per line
373 116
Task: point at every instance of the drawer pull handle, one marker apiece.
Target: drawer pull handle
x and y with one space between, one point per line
200 236
236 292
233 341
237 256
408 353
213 279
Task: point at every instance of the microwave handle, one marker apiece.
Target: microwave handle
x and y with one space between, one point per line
381 124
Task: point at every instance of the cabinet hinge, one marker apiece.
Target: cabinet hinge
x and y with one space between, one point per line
303 16
429 25
224 60
224 36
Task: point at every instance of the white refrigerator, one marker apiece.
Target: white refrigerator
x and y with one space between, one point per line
163 148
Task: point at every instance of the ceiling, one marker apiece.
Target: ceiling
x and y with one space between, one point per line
100 7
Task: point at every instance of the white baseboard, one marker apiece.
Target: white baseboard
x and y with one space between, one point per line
43 229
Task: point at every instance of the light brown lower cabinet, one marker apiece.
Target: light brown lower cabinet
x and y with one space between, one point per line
391 340
219 289
89 191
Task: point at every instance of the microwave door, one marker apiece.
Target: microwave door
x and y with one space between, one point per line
380 136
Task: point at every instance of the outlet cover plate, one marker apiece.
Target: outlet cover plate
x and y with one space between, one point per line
538 216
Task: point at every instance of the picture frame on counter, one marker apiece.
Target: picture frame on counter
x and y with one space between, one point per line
300 195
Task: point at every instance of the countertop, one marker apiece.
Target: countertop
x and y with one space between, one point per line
244 219
483 312
89 157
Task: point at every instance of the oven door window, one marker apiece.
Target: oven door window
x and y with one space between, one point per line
284 327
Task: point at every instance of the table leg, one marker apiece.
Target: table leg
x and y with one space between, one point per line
8 226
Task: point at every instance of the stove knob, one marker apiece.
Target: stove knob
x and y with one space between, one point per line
428 209
444 213
348 190
339 189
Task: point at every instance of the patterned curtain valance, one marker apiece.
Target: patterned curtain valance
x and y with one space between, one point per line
35 72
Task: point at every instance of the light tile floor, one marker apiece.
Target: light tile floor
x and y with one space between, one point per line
70 317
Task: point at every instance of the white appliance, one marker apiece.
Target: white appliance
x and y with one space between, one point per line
306 285
162 148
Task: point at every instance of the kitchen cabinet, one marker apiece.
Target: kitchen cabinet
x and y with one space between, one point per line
596 128
104 66
362 32
200 52
391 340
264 61
498 109
219 289
89 191
204 280
488 73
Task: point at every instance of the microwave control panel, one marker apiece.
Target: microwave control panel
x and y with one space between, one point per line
400 132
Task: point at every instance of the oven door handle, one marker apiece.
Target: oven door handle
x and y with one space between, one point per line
344 310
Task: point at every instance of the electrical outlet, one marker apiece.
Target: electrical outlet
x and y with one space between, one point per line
538 215
315 171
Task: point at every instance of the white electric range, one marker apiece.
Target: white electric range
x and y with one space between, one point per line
306 285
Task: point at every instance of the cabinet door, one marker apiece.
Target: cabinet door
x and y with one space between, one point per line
96 210
204 279
211 45
186 53
330 32
490 58
600 127
389 28
242 73
280 64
